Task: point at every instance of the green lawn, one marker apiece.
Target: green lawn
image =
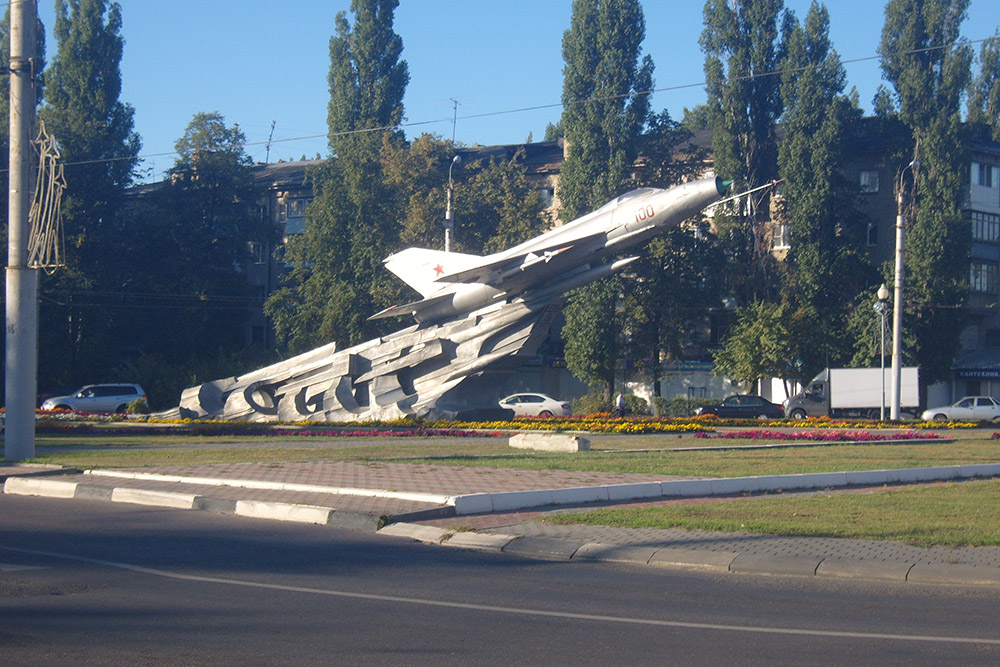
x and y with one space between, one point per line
949 514
607 455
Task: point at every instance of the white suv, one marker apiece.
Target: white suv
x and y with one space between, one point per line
97 398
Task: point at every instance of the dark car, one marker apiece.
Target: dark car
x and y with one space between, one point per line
744 407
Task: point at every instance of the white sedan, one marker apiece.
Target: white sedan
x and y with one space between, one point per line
970 408
534 405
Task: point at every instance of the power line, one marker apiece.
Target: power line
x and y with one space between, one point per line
539 107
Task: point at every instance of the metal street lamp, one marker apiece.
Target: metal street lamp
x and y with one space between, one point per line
449 222
897 304
881 307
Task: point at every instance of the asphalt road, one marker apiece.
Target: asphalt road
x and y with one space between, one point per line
101 583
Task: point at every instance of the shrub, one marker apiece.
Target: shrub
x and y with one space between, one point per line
138 407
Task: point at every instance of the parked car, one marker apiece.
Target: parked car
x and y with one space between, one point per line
534 405
743 407
96 398
969 408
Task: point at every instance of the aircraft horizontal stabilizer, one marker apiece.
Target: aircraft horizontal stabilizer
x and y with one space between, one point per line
411 308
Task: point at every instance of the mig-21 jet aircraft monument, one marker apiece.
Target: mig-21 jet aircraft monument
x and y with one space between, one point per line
475 313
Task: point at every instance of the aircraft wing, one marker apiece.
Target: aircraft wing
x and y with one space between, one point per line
495 272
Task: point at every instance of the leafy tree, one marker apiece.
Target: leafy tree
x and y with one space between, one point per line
666 296
605 113
743 48
984 92
592 350
495 207
99 147
351 225
825 272
758 345
930 73
605 105
192 239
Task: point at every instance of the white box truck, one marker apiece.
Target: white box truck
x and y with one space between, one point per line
855 392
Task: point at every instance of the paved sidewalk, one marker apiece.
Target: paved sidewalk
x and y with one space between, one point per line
437 504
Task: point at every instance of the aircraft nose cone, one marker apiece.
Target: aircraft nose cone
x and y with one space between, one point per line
723 186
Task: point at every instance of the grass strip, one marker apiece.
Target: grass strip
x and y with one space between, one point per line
947 514
605 456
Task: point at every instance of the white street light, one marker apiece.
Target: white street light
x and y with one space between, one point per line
881 307
449 222
897 304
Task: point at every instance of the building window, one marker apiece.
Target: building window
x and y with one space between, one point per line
983 277
985 227
258 252
984 175
868 181
871 236
781 236
297 207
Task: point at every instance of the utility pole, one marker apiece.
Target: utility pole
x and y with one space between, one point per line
22 312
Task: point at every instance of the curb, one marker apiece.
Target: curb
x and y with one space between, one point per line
33 486
548 548
38 483
509 501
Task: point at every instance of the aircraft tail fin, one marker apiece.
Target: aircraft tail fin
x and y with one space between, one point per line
419 267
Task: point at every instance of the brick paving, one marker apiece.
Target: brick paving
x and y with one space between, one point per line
453 481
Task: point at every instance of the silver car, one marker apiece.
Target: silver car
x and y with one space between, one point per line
970 408
97 398
535 405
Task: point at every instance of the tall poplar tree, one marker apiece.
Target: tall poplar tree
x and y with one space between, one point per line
930 72
605 112
743 49
824 270
351 224
99 146
984 93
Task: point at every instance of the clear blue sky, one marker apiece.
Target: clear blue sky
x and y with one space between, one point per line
258 61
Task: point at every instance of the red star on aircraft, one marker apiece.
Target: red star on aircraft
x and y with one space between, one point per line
439 270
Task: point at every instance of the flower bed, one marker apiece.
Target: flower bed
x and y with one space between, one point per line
822 435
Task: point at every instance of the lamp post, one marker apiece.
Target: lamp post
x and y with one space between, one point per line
881 307
449 222
897 303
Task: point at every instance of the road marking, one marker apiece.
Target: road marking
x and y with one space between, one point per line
624 620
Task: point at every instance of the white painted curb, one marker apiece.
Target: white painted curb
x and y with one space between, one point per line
32 486
257 509
274 486
183 501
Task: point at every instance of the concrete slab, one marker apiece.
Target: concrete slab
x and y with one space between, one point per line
367 521
257 509
947 573
614 553
34 486
634 491
549 442
579 495
516 500
694 558
686 488
548 548
415 531
485 541
181 501
798 566
857 568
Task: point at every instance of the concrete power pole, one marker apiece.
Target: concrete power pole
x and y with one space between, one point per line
22 312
